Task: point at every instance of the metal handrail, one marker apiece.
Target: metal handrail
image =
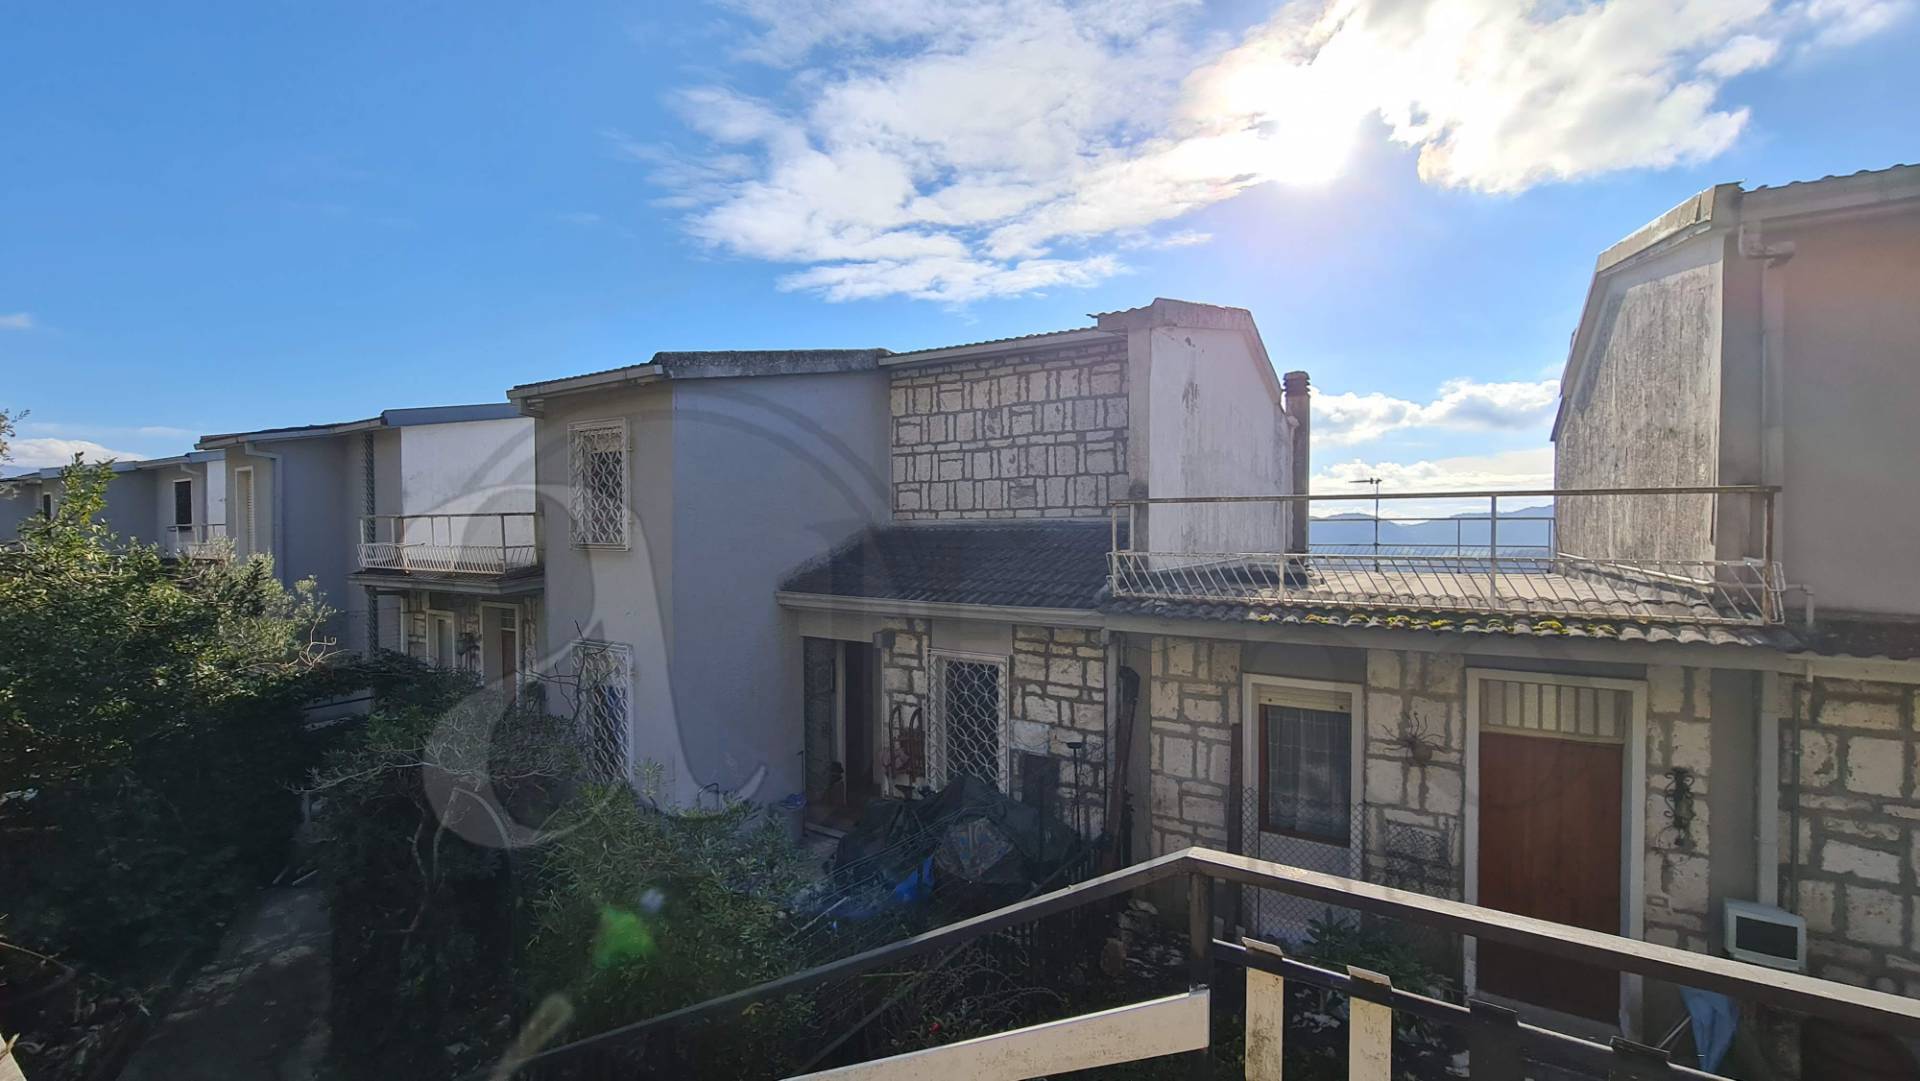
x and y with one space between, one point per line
1204 868
1494 578
454 542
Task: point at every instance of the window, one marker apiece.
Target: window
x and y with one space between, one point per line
597 456
604 672
971 715
1306 767
46 505
182 504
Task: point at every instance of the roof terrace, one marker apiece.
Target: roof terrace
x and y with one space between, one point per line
1695 555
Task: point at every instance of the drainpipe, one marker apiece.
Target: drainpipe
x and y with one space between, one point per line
366 535
1773 379
277 512
1296 394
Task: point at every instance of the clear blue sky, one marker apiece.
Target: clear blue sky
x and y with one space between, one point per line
240 215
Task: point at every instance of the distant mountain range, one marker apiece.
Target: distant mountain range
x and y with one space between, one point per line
1522 526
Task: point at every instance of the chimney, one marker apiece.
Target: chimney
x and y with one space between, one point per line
1294 386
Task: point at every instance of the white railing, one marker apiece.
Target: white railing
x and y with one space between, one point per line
453 544
1524 572
208 540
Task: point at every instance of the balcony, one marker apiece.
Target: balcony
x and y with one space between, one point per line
458 546
1698 555
1203 995
208 541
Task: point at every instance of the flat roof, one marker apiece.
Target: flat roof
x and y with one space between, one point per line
390 418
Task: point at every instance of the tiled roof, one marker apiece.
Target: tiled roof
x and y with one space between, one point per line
1038 564
1888 639
1456 623
1888 171
1041 335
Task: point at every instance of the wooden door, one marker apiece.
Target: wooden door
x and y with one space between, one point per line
1550 816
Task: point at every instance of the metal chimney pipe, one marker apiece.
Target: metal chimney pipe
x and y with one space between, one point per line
1294 387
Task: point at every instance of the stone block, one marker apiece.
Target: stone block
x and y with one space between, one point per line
1443 675
1683 879
1029 666
1692 746
1666 689
1386 782
1210 712
1841 858
1860 714
1817 905
1383 669
1875 917
1032 736
1443 791
1176 756
1203 810
1819 762
1065 670
1875 767
1178 657
1163 699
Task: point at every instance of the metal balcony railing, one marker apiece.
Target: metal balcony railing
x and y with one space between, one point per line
1652 554
1502 1040
207 540
453 544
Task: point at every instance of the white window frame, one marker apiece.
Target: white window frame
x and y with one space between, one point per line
1253 688
1633 824
174 506
937 659
622 666
434 616
577 492
245 529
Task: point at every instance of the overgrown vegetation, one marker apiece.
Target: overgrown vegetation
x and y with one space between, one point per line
470 878
150 737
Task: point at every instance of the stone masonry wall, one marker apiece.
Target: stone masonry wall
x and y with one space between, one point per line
1679 735
1058 696
1415 780
1039 434
1850 849
1193 702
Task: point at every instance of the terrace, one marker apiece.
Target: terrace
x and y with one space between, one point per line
1567 553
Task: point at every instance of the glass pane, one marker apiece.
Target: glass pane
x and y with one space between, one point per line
1307 763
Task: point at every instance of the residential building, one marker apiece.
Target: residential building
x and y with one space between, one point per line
418 526
676 494
1619 718
696 483
174 503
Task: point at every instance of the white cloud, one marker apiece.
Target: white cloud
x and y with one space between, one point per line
1508 470
1340 419
957 150
17 321
39 452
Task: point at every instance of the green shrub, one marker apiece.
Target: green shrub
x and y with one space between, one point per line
640 911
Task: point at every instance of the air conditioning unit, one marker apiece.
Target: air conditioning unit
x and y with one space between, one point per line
1764 935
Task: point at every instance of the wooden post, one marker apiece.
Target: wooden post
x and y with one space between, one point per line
1369 1030
1493 1043
1199 951
10 1063
1266 1017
